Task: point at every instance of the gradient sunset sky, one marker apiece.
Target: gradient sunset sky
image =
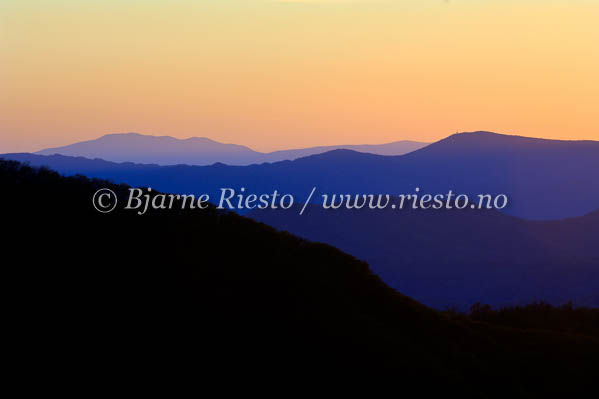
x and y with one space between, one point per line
282 74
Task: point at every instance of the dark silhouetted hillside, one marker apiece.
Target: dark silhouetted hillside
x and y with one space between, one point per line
544 179
536 316
212 296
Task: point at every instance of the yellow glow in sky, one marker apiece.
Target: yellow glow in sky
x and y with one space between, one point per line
282 74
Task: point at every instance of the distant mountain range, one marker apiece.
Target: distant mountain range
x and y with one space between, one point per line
165 150
544 179
457 258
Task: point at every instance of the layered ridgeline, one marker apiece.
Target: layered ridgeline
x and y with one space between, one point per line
544 179
166 150
451 258
216 295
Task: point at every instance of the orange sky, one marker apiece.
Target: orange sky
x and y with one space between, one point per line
281 74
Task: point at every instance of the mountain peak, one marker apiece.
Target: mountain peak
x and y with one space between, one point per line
485 141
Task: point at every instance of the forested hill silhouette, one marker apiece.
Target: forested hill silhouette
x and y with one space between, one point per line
544 179
458 257
166 150
212 294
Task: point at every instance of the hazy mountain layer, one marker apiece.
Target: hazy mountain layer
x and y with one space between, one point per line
544 179
165 150
447 258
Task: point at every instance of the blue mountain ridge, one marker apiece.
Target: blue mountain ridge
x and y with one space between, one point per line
543 179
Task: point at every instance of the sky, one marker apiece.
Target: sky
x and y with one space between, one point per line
287 74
